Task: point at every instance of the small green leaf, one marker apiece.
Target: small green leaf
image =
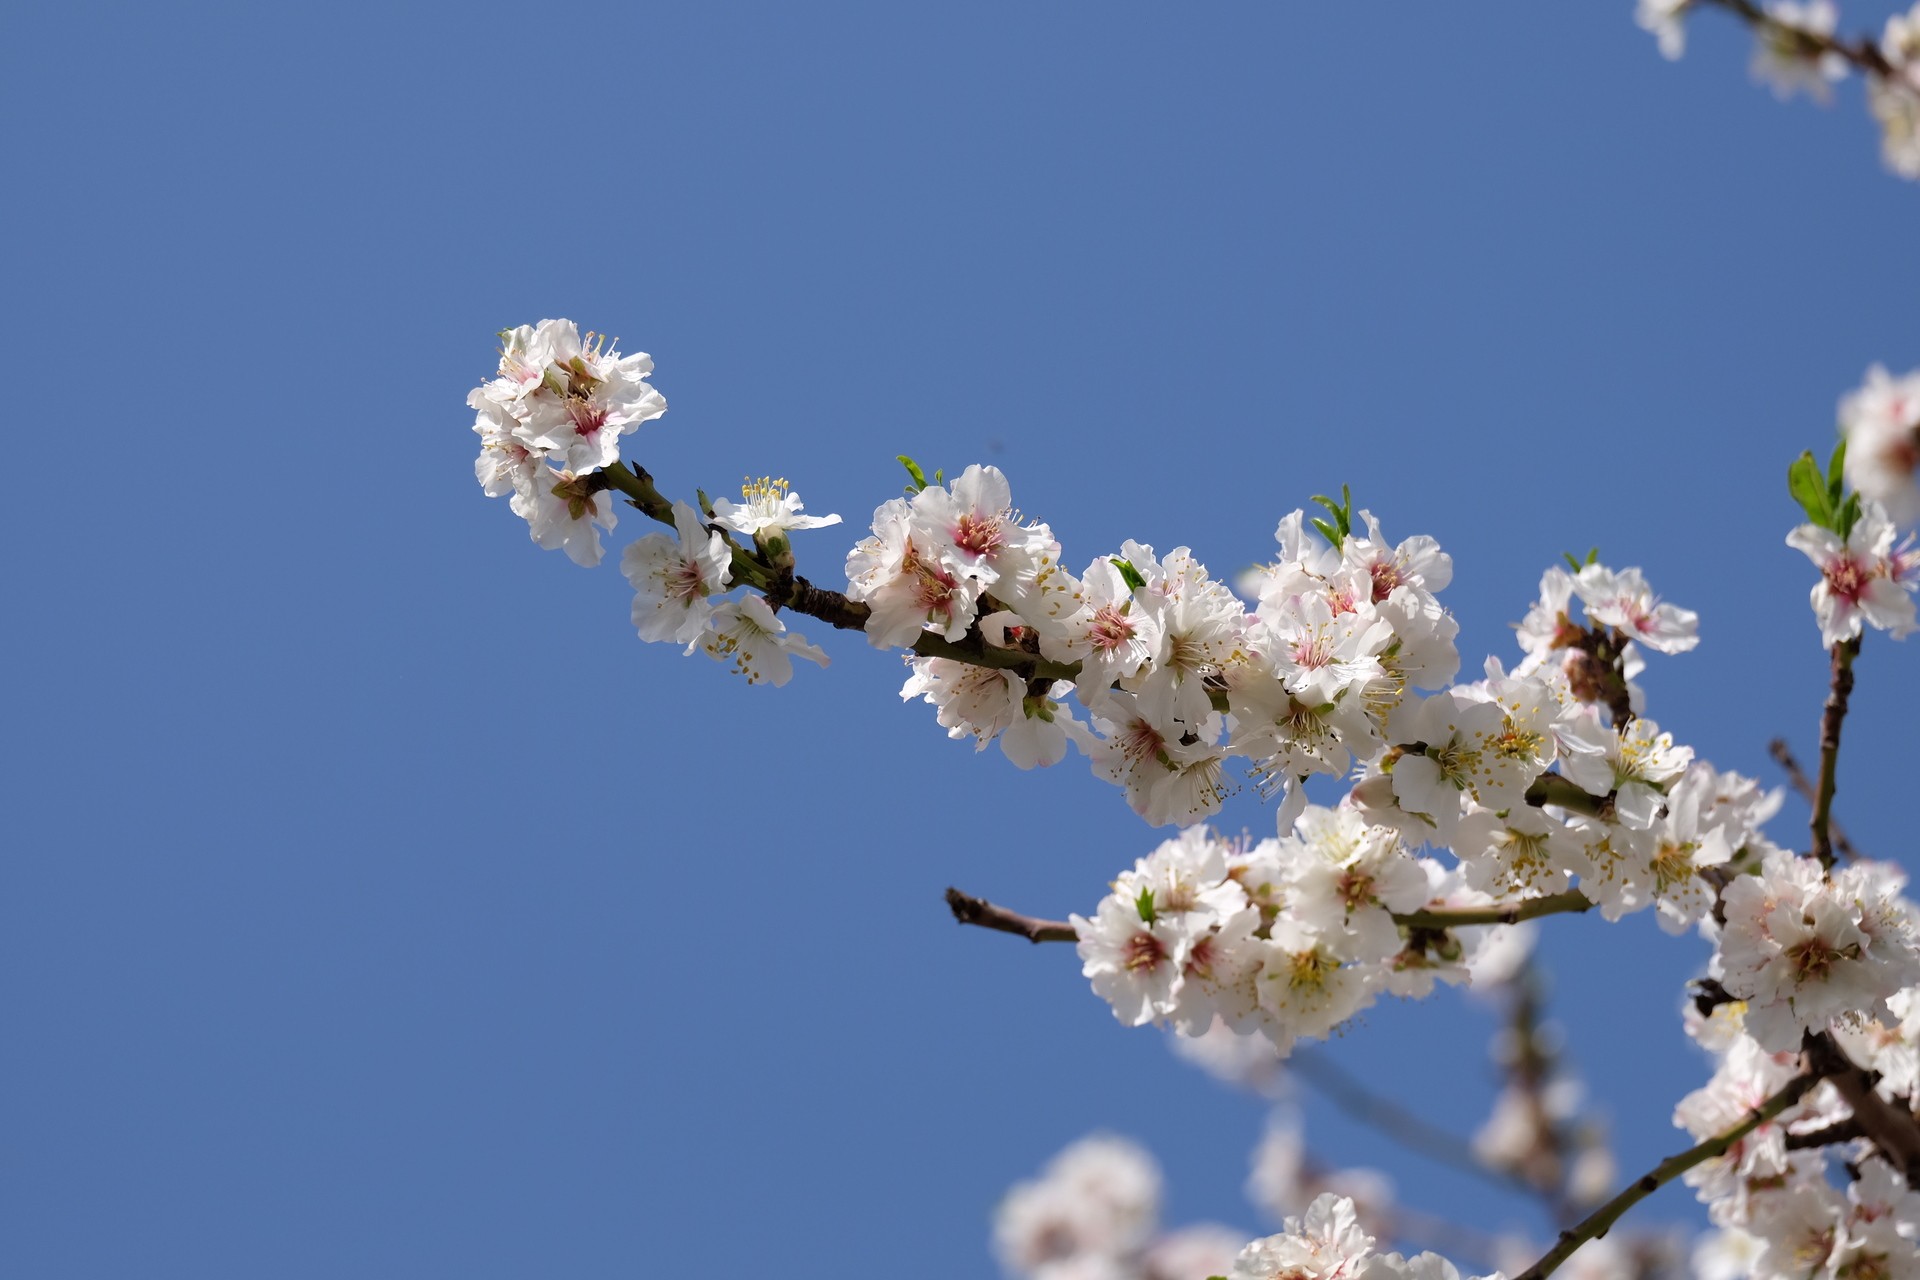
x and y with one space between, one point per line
1342 513
706 503
1144 905
1593 555
913 469
1847 516
1128 574
1810 491
1572 563
939 477
1835 477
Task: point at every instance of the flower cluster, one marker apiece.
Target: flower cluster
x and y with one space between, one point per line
1327 1242
1093 1214
554 414
1469 806
1796 51
1780 1216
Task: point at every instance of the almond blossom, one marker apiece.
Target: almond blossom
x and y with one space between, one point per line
1862 579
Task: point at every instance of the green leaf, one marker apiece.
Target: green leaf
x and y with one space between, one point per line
1342 513
1834 478
1128 574
1572 563
913 469
1808 488
1593 555
1848 516
1144 905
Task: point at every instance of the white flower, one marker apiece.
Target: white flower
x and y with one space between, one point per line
1326 1243
1310 980
563 513
1636 763
1136 963
1803 950
673 578
588 395
1624 600
768 508
746 634
905 584
1099 1199
984 703
1881 419
1861 579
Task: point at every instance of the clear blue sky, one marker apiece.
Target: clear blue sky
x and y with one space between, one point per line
376 904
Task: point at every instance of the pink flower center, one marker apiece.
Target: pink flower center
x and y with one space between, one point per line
1141 742
587 416
1847 578
684 582
1143 951
1110 630
980 536
1386 576
934 587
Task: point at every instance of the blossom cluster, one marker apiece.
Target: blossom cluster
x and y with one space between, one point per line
553 414
1779 1213
1795 51
1093 1214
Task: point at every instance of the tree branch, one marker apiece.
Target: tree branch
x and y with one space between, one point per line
1863 53
1601 1220
978 911
1570 901
1797 779
1893 1130
1831 717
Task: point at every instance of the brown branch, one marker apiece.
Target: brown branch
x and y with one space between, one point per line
1813 1140
1572 901
1893 1130
1797 779
978 911
1831 717
1863 52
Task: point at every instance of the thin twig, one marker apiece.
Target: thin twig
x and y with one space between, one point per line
1601 1220
1831 717
968 909
1863 53
978 911
1797 779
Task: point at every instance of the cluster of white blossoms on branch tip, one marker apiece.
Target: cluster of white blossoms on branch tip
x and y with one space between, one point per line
554 413
1796 51
1772 1195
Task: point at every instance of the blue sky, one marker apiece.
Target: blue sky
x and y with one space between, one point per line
379 905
